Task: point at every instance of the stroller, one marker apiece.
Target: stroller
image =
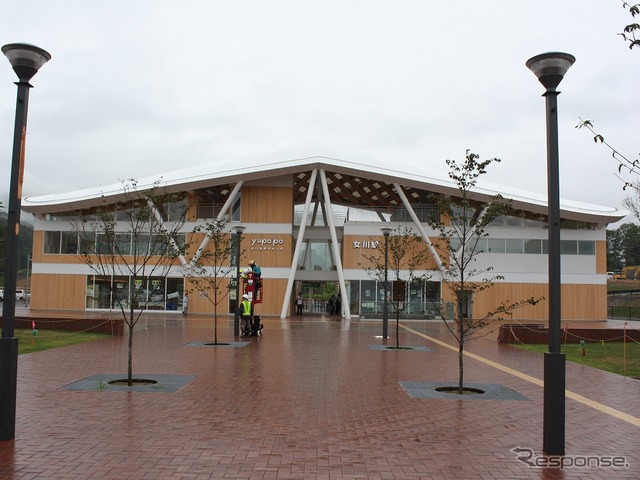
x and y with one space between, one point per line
251 326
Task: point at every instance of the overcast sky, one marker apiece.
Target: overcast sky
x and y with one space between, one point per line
137 88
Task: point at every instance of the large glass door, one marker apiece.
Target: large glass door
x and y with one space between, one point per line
315 295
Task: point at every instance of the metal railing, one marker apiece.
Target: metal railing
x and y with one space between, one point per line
621 312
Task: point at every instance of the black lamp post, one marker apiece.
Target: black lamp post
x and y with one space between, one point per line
550 69
239 229
386 231
26 60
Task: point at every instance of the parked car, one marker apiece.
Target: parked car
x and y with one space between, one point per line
1 295
21 294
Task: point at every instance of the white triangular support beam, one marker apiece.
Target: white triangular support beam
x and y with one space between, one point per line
296 251
163 228
334 244
221 214
420 228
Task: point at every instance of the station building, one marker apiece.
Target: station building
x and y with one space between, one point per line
312 219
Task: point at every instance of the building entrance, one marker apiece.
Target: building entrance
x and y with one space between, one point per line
316 295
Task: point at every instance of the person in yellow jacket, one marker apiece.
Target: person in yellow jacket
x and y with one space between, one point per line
246 313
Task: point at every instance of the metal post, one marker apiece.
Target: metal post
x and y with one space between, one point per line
386 231
550 69
554 360
236 319
26 60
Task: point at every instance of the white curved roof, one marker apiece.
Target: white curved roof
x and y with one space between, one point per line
362 164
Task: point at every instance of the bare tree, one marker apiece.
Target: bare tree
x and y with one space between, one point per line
461 225
131 243
212 271
406 256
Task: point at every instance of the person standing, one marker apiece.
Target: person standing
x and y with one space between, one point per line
299 303
246 313
331 305
185 304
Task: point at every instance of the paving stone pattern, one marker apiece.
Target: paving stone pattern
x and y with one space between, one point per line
307 400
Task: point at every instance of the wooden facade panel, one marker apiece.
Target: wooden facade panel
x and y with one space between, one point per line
579 302
357 254
205 305
273 293
38 246
58 291
267 250
267 205
601 256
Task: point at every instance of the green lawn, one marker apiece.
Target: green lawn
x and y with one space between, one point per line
609 356
46 339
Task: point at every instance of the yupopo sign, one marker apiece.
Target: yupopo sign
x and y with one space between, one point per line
267 244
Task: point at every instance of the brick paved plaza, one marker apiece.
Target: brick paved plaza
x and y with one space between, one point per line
313 398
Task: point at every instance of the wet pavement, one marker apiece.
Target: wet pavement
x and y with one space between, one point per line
313 398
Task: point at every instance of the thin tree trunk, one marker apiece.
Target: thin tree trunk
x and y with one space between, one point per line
130 360
461 367
398 328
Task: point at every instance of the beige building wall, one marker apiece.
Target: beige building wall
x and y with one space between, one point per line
58 291
579 302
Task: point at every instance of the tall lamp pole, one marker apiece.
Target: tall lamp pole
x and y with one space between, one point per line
386 231
550 69
26 60
239 229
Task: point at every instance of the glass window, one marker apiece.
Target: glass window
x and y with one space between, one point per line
69 243
496 245
206 210
236 208
367 296
123 243
455 244
513 222
316 255
177 210
514 245
533 246
498 222
568 247
586 247
52 242
175 293
104 244
87 242
530 223
140 245
482 246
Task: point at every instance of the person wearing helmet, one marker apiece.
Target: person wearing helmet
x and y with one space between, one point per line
257 274
246 313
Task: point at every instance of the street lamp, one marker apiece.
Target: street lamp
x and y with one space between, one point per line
26 60
550 69
239 229
386 231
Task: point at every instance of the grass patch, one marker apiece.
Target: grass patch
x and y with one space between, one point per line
608 356
46 339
